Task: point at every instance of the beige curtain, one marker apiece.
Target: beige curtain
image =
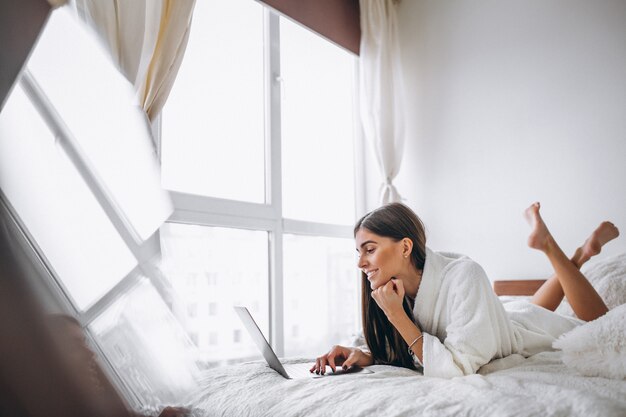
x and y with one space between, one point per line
146 39
381 90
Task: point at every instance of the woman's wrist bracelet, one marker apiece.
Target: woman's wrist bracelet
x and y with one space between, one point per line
414 342
413 355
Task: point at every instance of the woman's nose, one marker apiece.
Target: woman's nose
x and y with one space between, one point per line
361 262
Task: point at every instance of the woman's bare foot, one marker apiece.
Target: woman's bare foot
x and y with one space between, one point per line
601 236
540 236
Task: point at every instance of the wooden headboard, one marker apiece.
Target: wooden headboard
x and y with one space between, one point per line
517 287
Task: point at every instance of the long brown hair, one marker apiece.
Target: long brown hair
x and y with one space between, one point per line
395 221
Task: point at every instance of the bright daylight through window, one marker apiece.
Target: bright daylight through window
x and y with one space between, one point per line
72 116
256 146
240 108
60 212
213 124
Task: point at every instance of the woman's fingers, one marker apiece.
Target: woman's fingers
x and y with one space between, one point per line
336 355
174 412
331 360
399 287
316 367
349 361
320 364
323 362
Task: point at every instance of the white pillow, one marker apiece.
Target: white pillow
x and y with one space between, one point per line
608 277
597 348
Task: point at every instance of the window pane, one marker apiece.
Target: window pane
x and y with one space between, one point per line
213 122
321 299
56 206
147 347
98 105
317 127
213 269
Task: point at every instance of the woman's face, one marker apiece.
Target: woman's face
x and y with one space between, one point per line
380 258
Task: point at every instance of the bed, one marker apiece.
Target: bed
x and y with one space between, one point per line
584 376
537 386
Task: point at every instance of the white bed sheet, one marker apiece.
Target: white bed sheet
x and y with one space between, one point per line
537 386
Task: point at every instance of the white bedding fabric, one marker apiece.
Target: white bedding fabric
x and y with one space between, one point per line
597 348
514 386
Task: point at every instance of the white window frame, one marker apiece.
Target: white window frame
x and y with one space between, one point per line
189 208
218 212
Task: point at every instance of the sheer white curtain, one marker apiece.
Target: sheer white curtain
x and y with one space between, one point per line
381 90
146 39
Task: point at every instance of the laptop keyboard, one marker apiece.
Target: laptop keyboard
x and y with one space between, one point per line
299 370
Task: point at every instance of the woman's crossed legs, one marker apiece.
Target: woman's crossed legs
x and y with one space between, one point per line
567 280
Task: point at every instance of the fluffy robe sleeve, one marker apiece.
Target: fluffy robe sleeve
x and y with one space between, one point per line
471 329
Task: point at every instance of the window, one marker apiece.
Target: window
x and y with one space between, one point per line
160 372
257 145
319 321
211 278
239 261
213 308
192 310
59 211
71 136
256 200
97 104
317 157
207 149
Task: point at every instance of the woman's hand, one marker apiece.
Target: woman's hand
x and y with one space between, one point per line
390 297
174 412
342 356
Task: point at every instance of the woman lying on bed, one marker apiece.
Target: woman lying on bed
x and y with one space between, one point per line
437 311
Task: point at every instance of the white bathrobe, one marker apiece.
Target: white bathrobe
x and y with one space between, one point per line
465 325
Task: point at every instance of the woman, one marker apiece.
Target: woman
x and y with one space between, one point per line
437 311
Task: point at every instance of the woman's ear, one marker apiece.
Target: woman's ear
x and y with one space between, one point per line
407 247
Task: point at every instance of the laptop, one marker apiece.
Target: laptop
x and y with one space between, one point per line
291 370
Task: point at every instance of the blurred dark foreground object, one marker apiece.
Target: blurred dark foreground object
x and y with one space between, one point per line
46 366
80 359
36 378
20 24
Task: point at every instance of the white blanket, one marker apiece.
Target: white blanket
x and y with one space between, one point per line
537 386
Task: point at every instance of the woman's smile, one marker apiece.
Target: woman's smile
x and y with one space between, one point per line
370 273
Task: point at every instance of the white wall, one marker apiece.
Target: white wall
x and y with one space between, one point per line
511 102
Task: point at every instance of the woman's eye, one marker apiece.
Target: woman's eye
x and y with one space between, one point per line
369 250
